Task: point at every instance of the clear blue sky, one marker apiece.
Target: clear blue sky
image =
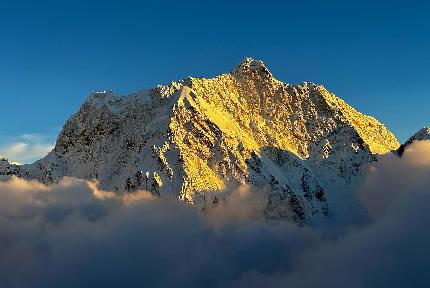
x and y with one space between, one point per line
373 54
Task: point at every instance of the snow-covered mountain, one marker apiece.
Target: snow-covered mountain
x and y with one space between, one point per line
191 138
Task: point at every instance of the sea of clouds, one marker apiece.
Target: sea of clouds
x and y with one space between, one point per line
72 234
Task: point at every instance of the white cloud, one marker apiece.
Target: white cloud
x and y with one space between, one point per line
26 148
72 234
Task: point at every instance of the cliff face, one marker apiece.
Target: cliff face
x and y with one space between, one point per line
191 138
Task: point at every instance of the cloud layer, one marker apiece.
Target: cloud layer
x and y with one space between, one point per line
72 234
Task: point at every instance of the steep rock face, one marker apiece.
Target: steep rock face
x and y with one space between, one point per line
192 137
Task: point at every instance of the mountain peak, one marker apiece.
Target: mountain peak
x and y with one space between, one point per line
250 65
106 98
423 134
102 96
249 61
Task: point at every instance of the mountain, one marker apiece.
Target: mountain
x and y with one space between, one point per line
423 134
192 138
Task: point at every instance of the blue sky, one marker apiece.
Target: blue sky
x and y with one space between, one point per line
373 54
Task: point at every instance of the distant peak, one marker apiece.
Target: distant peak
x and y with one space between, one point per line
425 130
423 134
250 65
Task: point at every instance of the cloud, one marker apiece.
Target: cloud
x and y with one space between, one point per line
391 250
240 204
26 148
72 234
393 178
